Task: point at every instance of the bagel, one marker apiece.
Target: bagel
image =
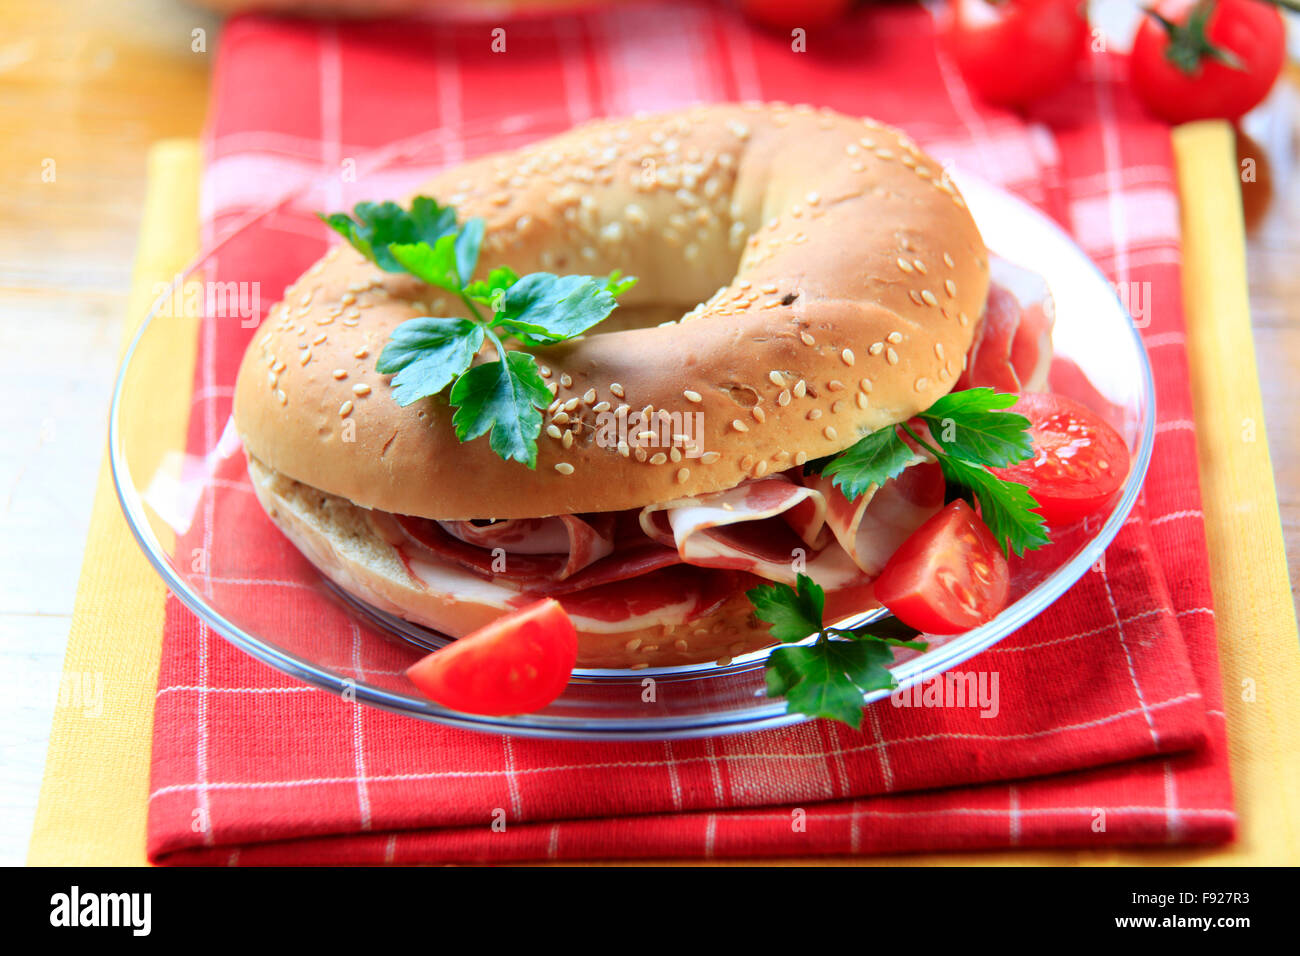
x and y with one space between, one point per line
805 278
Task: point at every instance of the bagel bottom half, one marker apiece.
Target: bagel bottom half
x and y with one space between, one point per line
339 538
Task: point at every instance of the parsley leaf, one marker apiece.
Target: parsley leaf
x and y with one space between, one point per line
970 424
870 462
829 677
1006 506
542 308
426 355
794 613
373 227
503 397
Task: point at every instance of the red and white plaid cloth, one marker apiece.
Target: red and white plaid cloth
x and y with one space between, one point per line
1110 729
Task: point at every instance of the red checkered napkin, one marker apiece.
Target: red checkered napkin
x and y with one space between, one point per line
1110 728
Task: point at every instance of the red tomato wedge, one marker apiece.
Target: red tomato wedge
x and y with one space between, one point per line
948 577
1079 461
517 664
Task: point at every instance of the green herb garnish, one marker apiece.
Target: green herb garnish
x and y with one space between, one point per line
828 677
970 431
427 354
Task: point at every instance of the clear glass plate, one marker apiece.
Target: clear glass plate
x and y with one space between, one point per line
166 490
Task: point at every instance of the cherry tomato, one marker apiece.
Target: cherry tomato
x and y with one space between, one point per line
948 577
784 15
1011 52
1079 461
517 664
1180 79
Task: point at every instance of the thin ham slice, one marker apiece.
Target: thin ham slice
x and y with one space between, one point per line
536 574
582 539
771 527
1012 350
870 529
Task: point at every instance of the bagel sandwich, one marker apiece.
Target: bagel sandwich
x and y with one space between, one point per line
804 278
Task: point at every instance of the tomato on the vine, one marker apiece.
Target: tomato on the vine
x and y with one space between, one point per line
1207 59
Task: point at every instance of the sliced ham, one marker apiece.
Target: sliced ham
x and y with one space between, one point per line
870 529
771 527
1012 350
582 539
535 574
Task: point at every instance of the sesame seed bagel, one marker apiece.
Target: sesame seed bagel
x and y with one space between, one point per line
823 274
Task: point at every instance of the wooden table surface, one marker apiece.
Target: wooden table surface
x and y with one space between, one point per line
84 89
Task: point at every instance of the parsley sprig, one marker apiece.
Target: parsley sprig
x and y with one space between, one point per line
425 355
828 677
969 432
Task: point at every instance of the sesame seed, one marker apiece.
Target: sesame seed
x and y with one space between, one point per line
847 356
709 457
835 385
658 458
948 261
876 348
693 396
904 265
361 389
807 339
571 404
950 287
760 469
862 400
554 431
963 318
830 432
647 435
617 389
865 385
360 353
318 339
814 414
915 297
282 398
760 416
892 356
894 337
784 398
800 388
564 468
600 407
747 463
920 266
938 350
929 297
922 383
304 357
345 409
682 475
561 418
800 457
566 380
738 425
567 440
776 378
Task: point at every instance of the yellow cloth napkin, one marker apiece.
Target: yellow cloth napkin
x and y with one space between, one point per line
95 793
94 798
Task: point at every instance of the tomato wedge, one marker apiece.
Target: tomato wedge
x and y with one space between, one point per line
948 577
517 664
1079 461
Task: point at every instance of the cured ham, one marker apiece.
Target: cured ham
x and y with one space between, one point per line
1012 350
583 539
870 529
772 527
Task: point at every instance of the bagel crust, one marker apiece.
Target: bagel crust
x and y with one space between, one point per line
826 274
